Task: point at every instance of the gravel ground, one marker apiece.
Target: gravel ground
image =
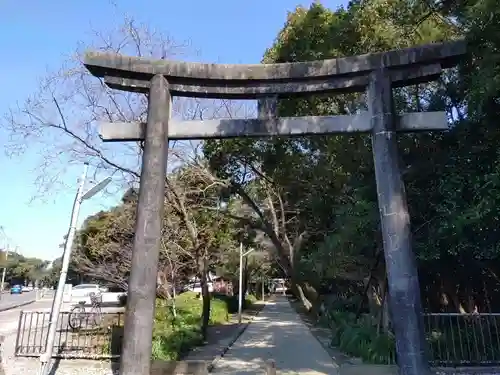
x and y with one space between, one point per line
30 366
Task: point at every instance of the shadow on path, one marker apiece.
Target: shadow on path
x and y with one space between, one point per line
278 334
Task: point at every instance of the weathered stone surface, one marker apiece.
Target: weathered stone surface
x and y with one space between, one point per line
101 64
283 126
402 275
417 64
257 89
138 330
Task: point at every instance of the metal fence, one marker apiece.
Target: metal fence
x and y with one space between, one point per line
463 339
90 341
454 339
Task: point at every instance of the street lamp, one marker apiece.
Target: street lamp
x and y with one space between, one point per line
4 272
5 251
240 292
56 305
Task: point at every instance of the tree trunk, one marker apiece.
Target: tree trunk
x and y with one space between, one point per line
299 291
373 271
307 293
174 306
205 293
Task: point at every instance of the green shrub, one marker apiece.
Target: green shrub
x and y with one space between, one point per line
250 300
348 304
360 338
231 302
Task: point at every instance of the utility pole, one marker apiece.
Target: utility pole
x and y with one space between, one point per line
56 305
240 289
68 246
263 289
240 292
4 272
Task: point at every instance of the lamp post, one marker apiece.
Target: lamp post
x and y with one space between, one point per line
56 305
263 289
240 291
5 248
4 272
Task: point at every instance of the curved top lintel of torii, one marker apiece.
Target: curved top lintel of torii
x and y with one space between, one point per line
250 81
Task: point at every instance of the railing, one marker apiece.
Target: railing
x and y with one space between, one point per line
454 339
89 341
463 339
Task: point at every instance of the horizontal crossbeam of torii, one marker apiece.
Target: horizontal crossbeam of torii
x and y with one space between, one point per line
375 73
282 126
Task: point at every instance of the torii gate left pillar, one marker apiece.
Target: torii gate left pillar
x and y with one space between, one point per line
138 335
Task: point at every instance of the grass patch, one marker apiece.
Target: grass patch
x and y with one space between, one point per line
173 337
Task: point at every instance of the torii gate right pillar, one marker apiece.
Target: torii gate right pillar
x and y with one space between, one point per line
404 289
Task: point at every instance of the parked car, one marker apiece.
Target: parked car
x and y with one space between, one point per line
280 289
196 287
27 289
278 286
16 289
84 290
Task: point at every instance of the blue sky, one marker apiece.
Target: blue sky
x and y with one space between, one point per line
39 37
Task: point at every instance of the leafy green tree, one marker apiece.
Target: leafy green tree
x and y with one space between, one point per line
24 270
326 184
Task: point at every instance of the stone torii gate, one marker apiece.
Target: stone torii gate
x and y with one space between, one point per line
376 73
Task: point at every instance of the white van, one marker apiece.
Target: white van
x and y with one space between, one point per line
196 287
278 286
84 290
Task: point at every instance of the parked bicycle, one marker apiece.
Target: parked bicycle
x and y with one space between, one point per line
93 318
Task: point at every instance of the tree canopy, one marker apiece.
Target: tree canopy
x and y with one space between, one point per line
23 270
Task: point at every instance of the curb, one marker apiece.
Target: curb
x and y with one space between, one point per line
212 364
2 339
2 309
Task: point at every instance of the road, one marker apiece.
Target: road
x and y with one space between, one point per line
10 319
8 300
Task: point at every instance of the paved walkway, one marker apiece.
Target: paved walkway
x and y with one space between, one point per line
279 334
